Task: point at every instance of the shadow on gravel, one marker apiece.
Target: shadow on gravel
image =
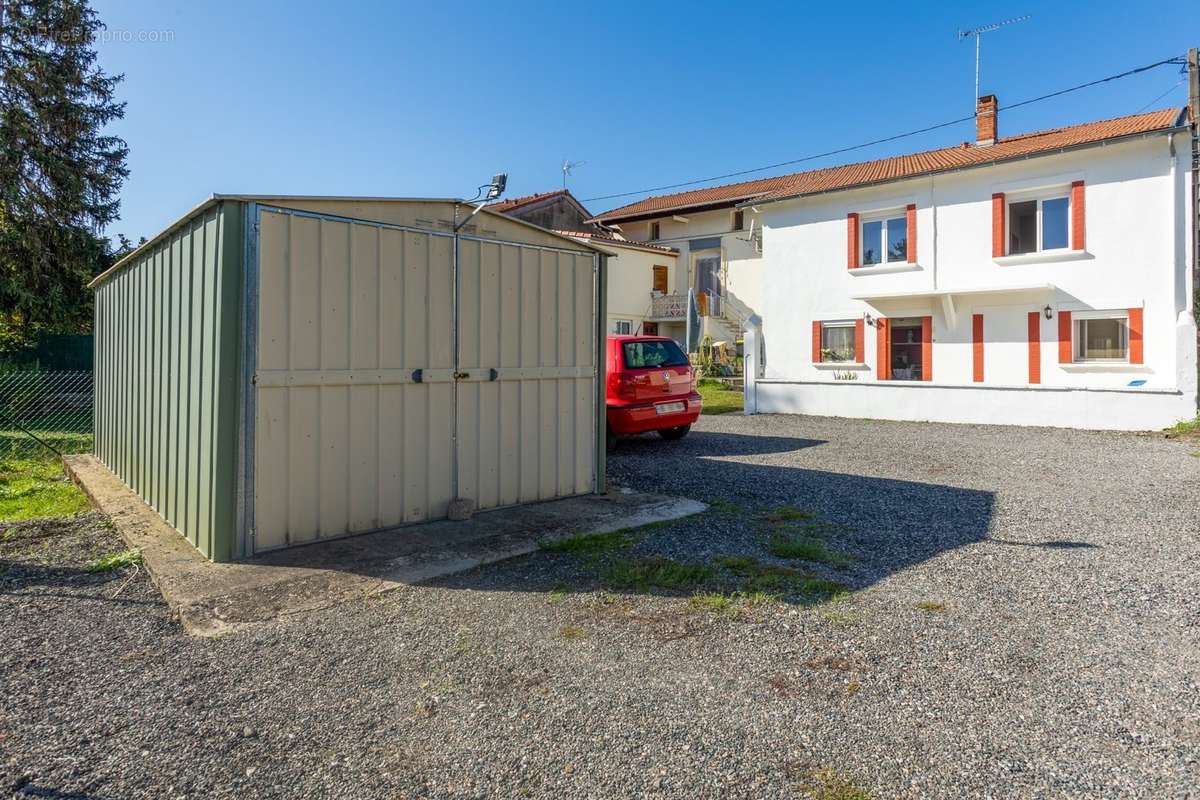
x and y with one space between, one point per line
1057 544
33 790
882 526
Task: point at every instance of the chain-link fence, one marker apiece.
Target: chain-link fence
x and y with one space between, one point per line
45 412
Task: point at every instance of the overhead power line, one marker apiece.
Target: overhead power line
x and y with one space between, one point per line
886 139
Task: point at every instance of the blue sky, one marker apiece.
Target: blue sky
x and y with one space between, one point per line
430 99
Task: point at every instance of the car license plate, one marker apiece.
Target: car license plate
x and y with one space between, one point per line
669 408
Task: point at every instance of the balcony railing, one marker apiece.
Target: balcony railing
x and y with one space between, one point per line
668 306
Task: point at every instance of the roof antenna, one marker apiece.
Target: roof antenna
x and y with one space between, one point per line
567 166
978 34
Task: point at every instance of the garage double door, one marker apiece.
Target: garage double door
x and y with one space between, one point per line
393 375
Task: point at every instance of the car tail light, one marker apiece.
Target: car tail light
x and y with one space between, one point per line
626 386
692 372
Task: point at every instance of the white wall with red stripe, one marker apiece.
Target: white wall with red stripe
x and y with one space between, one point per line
1062 281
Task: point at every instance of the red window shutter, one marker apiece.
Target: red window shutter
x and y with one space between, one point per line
977 348
1035 347
1078 227
852 241
911 234
1064 338
816 343
860 348
1136 349
926 348
882 348
998 225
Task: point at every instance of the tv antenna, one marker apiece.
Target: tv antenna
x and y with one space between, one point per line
567 166
978 34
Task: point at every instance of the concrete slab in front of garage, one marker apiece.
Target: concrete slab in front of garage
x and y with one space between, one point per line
212 599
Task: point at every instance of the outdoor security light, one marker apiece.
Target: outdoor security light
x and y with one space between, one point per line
499 181
1049 312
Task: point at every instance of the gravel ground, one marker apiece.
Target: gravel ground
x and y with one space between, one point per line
1024 622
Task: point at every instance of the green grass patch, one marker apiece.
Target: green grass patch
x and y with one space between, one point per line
572 632
32 489
720 506
558 594
805 548
788 514
932 606
714 602
1187 427
721 603
664 573
589 543
828 784
772 581
719 398
113 561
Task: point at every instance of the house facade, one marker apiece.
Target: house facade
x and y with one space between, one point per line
637 272
1040 279
719 255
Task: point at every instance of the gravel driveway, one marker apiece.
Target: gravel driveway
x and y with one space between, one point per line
1023 621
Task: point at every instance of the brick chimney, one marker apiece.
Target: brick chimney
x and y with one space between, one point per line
985 120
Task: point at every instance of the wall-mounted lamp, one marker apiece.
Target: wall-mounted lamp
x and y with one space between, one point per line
1048 311
870 320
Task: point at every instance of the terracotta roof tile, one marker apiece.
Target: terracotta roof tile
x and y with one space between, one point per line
605 238
894 167
503 206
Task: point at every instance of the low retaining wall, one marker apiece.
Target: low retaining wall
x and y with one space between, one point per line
1056 407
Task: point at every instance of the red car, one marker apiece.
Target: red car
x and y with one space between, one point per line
651 387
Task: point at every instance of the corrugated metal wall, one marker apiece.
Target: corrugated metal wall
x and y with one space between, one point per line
527 431
348 440
166 328
345 440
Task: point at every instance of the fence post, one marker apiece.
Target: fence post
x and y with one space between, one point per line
750 346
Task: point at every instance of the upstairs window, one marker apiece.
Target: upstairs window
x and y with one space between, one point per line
655 231
739 220
1039 224
837 342
1102 338
884 240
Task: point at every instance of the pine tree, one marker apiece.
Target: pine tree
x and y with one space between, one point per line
60 174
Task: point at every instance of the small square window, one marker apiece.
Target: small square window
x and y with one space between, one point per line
1039 224
837 342
1102 339
884 241
623 327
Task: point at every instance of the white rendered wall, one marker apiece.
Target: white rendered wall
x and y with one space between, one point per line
630 280
1136 256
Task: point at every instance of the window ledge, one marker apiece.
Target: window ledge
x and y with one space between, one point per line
1043 258
1105 366
885 269
840 365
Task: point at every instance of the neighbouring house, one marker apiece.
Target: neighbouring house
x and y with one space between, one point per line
558 211
640 274
720 253
1036 279
645 293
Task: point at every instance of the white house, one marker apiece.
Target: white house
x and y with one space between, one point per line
718 250
638 273
1036 279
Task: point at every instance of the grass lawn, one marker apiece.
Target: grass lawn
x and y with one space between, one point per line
31 489
719 398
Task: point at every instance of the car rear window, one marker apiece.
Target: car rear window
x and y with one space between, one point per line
654 353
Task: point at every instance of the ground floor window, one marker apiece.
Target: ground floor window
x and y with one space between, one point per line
837 342
905 348
623 327
1102 338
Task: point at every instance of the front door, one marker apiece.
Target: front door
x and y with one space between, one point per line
708 281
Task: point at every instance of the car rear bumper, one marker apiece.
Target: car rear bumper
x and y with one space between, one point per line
643 417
